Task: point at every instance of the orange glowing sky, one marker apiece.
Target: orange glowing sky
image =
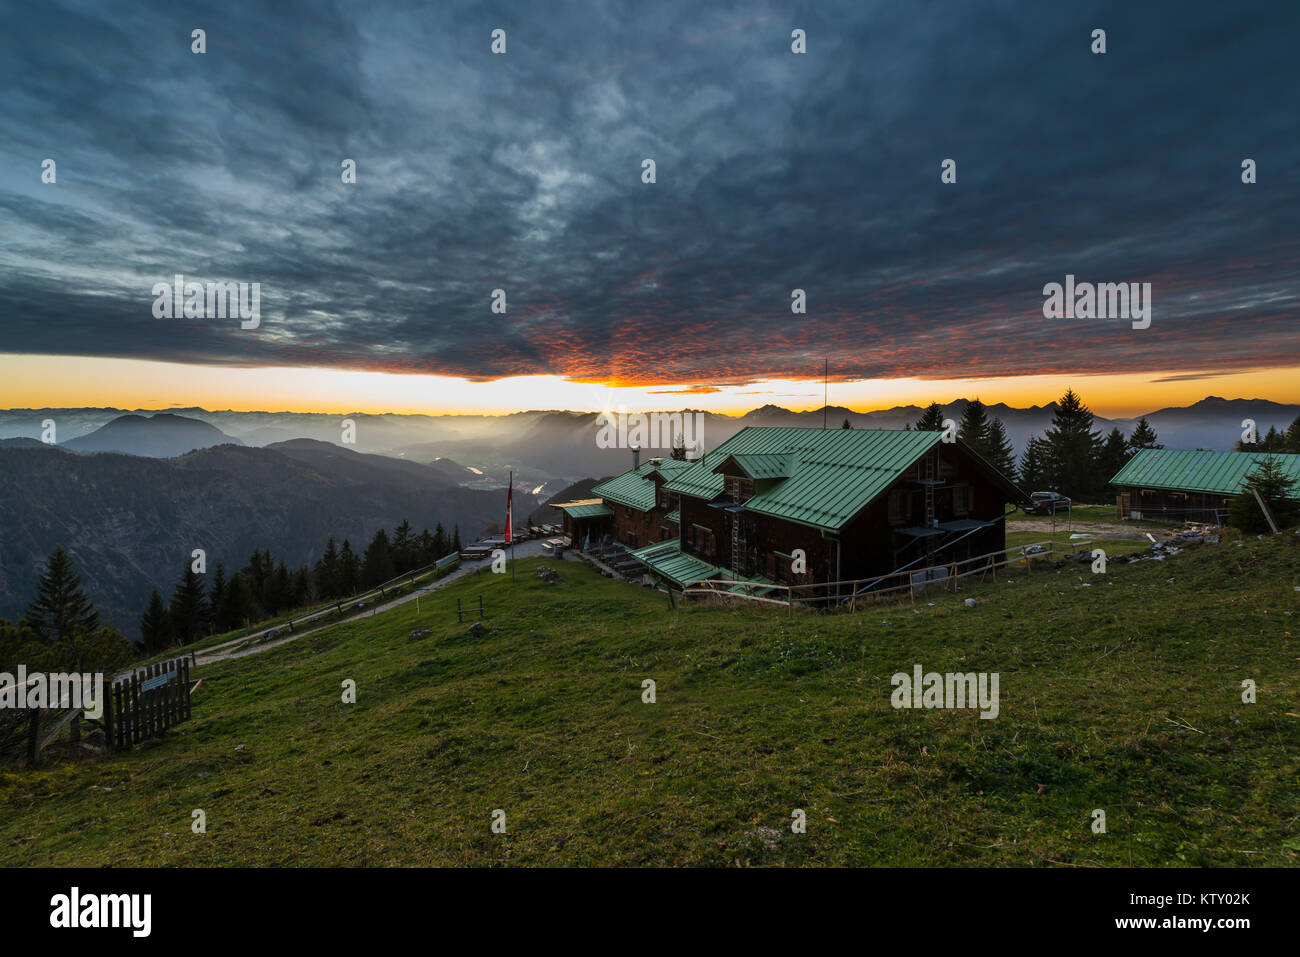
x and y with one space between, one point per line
28 381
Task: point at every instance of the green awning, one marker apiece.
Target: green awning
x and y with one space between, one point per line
587 511
667 560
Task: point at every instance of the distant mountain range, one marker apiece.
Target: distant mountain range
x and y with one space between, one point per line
132 494
549 450
130 522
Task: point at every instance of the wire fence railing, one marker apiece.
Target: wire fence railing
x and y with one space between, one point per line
895 586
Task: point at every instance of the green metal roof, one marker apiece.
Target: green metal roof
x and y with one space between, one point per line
836 472
636 486
760 466
1218 473
674 516
667 559
589 510
669 466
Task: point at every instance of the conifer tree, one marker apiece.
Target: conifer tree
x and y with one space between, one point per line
1143 437
60 608
188 609
1073 466
1033 465
973 429
327 572
1276 488
349 578
377 566
1001 455
1114 454
281 590
155 625
425 554
1291 443
402 548
301 587
931 419
217 591
236 604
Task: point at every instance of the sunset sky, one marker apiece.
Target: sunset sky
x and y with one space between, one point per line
522 172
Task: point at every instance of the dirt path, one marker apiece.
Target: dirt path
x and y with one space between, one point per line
1100 529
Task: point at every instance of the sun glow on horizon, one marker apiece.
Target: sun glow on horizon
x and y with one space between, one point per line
44 381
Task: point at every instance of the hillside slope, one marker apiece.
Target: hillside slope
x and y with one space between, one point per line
161 435
1120 692
131 522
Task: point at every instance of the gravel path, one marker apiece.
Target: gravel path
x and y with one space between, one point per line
1100 529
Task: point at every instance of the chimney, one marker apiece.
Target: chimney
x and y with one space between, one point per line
636 458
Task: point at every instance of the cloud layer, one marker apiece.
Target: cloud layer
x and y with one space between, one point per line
775 171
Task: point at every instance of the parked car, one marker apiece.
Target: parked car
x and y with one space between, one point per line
1046 503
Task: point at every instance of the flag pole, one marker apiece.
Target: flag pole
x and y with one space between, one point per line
510 522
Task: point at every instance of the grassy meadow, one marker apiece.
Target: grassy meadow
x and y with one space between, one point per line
1120 691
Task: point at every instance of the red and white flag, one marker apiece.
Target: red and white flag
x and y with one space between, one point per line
510 516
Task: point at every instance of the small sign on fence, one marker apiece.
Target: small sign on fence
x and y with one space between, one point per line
157 682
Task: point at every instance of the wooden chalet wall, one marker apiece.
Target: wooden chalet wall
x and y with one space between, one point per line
1162 505
869 543
635 528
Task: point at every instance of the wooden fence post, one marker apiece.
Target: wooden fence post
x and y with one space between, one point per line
135 708
117 715
108 716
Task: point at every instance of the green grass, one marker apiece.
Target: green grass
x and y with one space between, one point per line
1119 691
281 620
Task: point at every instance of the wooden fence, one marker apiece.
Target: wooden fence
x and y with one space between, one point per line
152 700
378 593
880 588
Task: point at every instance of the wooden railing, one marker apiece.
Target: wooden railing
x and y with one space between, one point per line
879 588
378 592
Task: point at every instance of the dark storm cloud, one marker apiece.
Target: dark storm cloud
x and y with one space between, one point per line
775 171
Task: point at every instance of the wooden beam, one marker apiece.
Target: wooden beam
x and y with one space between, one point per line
1264 508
